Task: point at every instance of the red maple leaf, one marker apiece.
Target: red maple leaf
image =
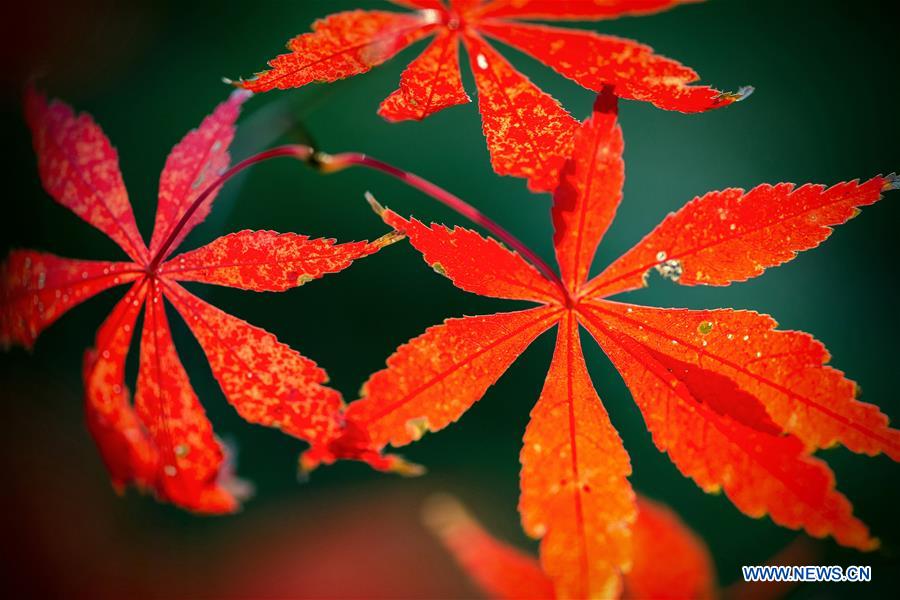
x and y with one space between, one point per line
528 133
668 560
738 405
163 441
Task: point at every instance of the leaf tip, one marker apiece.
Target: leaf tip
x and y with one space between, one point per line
306 464
387 239
417 428
891 182
377 207
237 489
442 513
404 468
743 92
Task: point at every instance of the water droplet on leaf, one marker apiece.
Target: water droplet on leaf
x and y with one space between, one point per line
670 269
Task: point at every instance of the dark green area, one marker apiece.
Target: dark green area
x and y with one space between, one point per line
824 111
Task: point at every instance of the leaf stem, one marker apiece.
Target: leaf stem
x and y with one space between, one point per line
329 164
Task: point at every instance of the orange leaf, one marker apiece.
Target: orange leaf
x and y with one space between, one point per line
465 8
589 192
266 381
126 449
595 61
430 84
264 261
37 288
740 418
581 10
80 169
528 133
341 45
423 4
189 455
721 436
474 263
193 164
732 235
786 371
744 419
434 378
575 494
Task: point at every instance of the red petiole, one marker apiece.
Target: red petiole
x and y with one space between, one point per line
329 164
303 153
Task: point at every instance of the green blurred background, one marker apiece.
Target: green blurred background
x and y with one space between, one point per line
824 111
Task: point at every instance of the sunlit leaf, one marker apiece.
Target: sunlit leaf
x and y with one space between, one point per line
163 442
528 133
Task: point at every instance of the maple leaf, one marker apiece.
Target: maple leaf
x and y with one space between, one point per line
668 559
528 133
163 441
738 405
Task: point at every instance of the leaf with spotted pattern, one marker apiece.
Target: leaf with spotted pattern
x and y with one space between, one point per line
738 405
162 442
528 133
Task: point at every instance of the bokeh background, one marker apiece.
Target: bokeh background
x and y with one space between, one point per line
824 111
